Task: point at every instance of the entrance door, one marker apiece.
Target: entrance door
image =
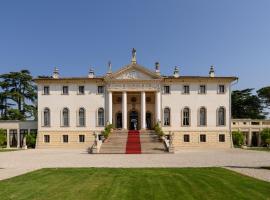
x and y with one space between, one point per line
119 120
254 140
148 120
133 120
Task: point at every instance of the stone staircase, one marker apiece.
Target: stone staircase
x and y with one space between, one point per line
116 143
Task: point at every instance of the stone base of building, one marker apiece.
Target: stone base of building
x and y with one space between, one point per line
56 139
213 140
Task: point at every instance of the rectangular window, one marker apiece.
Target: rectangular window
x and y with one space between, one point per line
100 89
202 89
81 89
221 89
65 138
65 90
202 138
166 89
81 138
186 138
221 137
46 90
47 138
186 89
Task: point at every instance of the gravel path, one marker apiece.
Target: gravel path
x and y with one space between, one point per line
243 161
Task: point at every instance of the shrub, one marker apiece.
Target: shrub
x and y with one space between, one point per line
31 140
3 137
238 138
158 130
265 135
107 130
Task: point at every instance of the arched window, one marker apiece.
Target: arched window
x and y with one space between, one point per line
81 117
65 117
167 118
100 117
186 117
221 116
46 117
202 116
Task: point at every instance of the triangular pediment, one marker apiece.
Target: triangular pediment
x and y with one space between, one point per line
134 72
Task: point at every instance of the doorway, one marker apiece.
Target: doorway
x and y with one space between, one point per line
148 120
119 120
133 120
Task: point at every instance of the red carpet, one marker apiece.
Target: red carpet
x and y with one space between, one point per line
133 143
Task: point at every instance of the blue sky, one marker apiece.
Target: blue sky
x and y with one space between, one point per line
232 35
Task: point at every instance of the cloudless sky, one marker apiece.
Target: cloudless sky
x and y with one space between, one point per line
232 35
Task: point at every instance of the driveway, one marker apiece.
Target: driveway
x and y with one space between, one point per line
244 161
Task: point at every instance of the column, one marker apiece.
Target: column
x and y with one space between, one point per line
158 107
249 137
124 110
259 139
8 143
18 138
143 111
110 107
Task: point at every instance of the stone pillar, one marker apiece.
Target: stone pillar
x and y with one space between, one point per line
143 111
8 142
18 138
158 107
110 107
249 138
259 139
124 110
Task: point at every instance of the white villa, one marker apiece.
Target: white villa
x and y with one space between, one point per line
194 110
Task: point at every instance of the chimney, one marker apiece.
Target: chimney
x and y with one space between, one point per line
91 73
109 68
176 72
212 72
56 73
157 68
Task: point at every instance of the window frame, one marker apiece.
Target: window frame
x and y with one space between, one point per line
224 89
99 118
203 138
166 89
65 138
205 117
63 117
221 138
63 91
169 116
183 117
98 89
186 136
79 117
218 116
205 89
184 89
46 138
48 90
81 138
49 116
79 91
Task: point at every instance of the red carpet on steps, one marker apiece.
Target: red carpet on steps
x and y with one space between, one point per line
133 143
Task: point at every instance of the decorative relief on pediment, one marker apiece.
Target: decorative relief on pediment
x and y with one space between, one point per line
133 86
134 74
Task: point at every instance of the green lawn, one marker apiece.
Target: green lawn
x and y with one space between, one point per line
116 184
5 150
259 149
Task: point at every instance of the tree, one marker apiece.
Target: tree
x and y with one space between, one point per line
238 138
3 137
264 94
246 105
265 136
18 88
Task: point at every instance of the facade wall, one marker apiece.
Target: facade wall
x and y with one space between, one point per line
177 101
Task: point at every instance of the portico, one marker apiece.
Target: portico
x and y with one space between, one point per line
134 110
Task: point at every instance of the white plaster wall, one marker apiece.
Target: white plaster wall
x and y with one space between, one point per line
176 101
56 101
